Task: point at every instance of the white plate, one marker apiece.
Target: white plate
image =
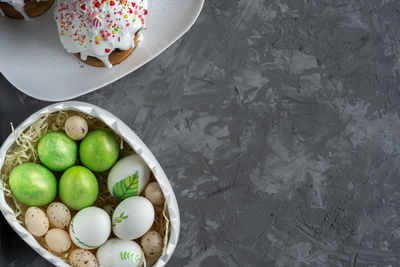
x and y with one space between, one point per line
132 139
34 61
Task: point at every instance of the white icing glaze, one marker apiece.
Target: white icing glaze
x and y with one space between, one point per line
98 27
19 6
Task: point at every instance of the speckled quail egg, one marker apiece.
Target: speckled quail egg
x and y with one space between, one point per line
154 193
76 127
58 240
59 215
36 221
82 258
152 244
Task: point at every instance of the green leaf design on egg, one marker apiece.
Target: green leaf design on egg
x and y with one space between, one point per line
77 239
119 219
126 255
127 187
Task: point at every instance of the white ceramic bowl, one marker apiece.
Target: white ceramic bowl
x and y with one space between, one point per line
132 139
35 62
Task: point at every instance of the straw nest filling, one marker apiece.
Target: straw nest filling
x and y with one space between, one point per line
24 149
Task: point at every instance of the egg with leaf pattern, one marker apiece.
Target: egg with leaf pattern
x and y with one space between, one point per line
132 218
90 228
120 253
128 177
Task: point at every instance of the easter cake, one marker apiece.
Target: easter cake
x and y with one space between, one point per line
84 194
101 32
24 9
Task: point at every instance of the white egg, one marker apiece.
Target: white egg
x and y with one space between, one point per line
120 253
132 218
90 228
128 177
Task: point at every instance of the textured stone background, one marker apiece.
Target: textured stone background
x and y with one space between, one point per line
278 125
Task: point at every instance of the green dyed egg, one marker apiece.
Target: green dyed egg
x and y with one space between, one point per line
33 184
99 150
57 151
78 188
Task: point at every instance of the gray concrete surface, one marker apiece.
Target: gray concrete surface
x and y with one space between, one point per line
278 125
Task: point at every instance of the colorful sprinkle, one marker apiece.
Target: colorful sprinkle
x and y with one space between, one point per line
90 23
